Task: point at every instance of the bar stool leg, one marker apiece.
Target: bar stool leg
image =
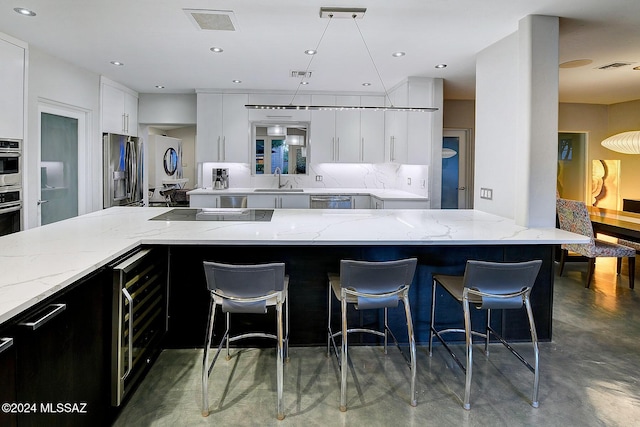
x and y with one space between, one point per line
344 364
412 348
486 340
536 353
329 324
279 361
469 348
205 360
386 328
433 317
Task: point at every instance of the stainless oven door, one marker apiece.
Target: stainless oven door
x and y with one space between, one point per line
9 169
10 218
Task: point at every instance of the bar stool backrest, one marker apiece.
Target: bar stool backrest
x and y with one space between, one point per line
498 279
244 281
377 277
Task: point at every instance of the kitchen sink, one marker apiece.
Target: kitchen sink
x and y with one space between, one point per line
278 190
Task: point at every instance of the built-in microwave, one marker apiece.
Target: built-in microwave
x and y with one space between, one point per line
10 210
10 163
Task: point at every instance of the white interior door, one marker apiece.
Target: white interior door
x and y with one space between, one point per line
63 163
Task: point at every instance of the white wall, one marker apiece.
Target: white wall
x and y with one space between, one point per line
517 123
167 109
57 82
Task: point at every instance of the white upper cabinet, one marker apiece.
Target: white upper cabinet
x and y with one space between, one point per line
222 128
372 130
119 109
396 127
279 116
347 136
12 58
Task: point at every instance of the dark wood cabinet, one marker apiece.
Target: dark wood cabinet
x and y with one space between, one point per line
61 357
8 379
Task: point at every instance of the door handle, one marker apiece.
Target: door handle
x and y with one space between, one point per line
40 202
462 188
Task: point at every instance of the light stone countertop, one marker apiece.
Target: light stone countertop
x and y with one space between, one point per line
384 194
39 262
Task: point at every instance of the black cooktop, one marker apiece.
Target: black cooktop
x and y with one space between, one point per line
188 214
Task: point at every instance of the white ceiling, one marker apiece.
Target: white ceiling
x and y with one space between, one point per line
160 45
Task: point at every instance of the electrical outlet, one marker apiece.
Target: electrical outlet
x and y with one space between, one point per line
486 193
318 177
408 181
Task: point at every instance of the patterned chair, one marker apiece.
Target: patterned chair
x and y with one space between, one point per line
574 217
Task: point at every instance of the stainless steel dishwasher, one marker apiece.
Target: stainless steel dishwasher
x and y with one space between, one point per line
334 201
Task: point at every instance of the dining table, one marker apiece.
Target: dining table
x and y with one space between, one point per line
620 224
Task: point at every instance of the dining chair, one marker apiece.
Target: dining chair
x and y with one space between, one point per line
370 285
246 289
488 286
574 217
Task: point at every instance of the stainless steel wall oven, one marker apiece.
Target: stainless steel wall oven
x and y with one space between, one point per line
10 163
10 210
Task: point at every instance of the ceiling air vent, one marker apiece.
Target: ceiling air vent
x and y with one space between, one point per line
301 74
614 65
212 20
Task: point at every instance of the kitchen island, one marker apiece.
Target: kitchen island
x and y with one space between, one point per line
39 262
58 294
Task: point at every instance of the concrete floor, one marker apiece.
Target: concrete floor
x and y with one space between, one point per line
589 376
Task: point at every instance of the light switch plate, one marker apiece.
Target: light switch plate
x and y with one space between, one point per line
486 193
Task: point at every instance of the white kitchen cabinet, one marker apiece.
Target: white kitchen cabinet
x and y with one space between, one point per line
279 116
119 109
361 202
372 130
347 136
378 203
12 58
204 201
222 128
396 127
283 201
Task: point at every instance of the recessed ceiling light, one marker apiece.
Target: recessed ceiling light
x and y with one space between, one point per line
398 54
25 12
216 49
118 63
304 83
159 87
366 84
441 66
310 51
237 81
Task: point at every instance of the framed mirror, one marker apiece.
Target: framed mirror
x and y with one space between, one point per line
280 147
170 161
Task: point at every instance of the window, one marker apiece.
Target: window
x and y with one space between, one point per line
286 152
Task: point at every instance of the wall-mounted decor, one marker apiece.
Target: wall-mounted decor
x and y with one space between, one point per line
605 181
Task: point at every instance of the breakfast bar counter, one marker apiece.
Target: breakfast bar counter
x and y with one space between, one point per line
40 262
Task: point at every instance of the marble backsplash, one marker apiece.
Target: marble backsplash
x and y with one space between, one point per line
411 178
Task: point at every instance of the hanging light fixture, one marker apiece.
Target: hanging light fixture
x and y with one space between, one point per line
295 140
354 14
625 142
276 130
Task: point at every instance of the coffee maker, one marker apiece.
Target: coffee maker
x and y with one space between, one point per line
220 177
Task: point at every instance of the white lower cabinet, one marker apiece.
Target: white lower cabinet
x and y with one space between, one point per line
279 201
204 201
361 202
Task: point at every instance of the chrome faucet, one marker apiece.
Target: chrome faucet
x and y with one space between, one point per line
278 171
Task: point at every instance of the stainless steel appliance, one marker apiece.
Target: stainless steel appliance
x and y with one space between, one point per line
220 177
122 169
139 318
331 202
10 163
10 210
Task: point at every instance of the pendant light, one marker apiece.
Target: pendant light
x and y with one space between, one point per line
353 14
625 142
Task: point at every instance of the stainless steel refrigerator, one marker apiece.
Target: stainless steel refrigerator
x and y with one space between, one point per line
122 170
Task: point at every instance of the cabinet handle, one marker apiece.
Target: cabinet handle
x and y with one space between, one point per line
275 202
218 149
57 309
123 124
392 145
127 295
224 148
362 149
127 123
5 344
